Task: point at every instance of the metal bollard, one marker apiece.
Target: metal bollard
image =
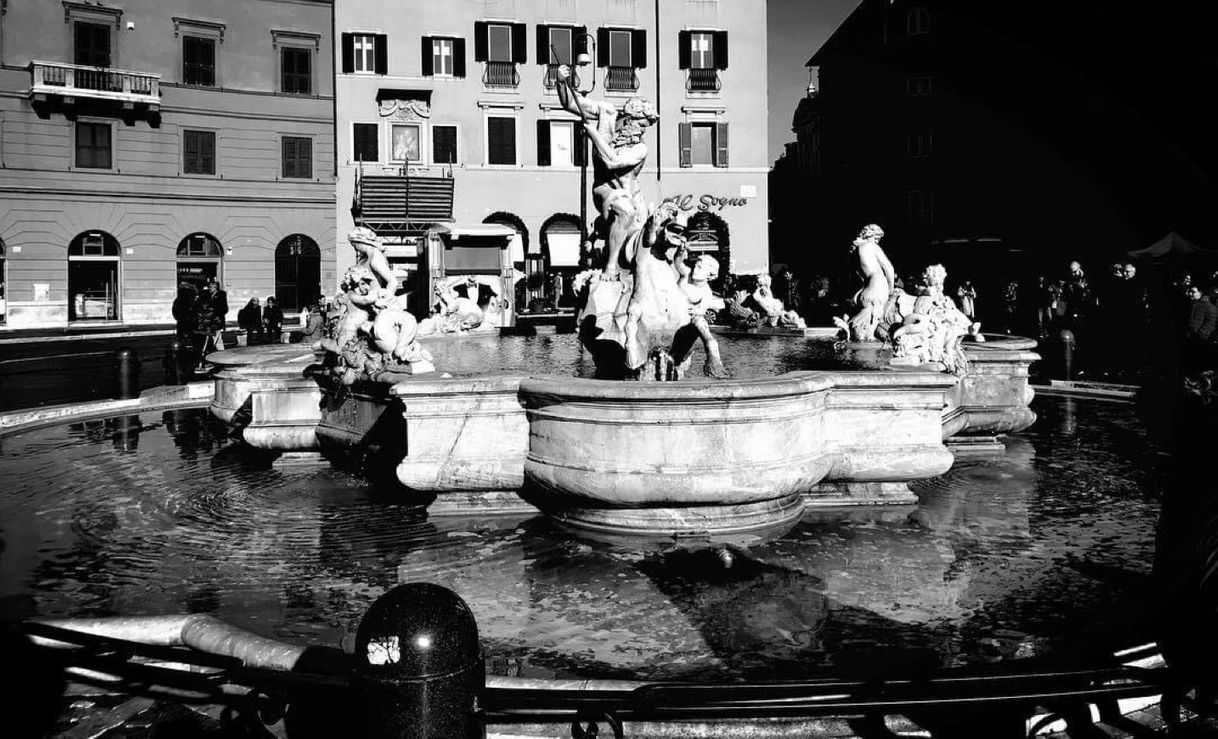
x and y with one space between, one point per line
418 669
175 356
126 374
1066 339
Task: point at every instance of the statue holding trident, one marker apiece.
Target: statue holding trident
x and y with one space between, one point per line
618 157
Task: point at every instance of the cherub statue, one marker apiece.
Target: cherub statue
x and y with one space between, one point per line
880 277
657 308
694 282
618 156
932 331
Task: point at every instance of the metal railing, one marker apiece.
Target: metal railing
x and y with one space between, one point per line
57 78
501 74
622 79
703 80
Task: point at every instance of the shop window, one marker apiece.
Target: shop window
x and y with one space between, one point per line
93 277
444 144
199 152
297 272
198 61
297 157
94 145
199 260
365 142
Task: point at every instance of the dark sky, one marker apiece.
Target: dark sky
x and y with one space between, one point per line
797 28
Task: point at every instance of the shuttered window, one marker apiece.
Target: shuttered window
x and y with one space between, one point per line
365 144
91 44
444 144
296 70
702 49
198 61
500 42
297 157
93 146
443 57
199 152
702 144
500 140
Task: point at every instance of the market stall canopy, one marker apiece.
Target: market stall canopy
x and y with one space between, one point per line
1173 246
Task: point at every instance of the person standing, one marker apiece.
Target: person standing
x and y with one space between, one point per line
272 318
211 311
184 310
249 320
1202 321
968 299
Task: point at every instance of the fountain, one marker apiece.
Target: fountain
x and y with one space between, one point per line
664 455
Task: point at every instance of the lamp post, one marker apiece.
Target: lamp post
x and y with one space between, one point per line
583 59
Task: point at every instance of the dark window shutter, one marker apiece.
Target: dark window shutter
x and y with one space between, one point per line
348 53
579 44
683 50
304 158
190 144
720 144
685 144
209 152
458 57
382 54
428 57
288 154
581 146
543 143
543 44
602 47
481 41
720 42
520 44
638 49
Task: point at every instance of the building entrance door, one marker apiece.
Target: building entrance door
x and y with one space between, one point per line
93 277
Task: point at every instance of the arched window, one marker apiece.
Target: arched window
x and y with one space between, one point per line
93 277
561 242
200 259
297 272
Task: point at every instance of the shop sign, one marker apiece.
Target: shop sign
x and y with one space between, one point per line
706 202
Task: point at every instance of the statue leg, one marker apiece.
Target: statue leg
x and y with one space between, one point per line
636 355
621 215
714 363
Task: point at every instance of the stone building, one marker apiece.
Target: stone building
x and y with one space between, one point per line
144 143
449 114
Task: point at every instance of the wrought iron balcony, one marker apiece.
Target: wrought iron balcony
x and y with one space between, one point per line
98 83
501 74
551 77
622 79
703 80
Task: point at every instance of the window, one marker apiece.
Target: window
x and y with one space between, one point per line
559 144
703 144
297 272
443 57
499 43
93 277
199 152
200 259
918 144
297 70
365 144
91 44
702 49
298 157
365 53
619 49
500 140
93 146
405 143
444 144
919 209
917 86
198 61
917 21
560 46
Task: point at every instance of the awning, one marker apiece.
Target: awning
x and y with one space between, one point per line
564 248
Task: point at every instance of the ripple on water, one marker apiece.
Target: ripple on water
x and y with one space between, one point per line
1003 556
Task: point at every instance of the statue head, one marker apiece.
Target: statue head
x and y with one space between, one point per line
934 276
359 279
641 109
871 232
365 235
705 267
764 280
638 114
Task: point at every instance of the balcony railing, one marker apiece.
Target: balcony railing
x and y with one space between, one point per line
703 80
622 79
551 77
102 83
501 74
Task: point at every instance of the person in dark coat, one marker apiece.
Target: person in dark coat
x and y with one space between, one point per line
184 310
249 320
211 312
272 318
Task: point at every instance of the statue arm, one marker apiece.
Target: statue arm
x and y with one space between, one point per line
572 100
889 273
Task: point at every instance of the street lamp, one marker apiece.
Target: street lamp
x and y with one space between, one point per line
583 59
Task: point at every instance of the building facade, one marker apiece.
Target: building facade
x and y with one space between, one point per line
146 143
449 114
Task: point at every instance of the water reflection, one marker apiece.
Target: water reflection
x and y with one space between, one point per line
1010 556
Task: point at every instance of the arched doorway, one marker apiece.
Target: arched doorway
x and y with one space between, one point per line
200 259
297 272
93 277
524 260
561 241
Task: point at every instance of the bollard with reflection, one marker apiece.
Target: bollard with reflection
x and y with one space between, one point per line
418 667
1067 342
126 374
125 433
175 358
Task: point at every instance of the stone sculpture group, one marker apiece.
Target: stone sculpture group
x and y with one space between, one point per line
923 329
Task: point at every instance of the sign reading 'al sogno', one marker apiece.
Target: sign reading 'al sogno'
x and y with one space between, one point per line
686 202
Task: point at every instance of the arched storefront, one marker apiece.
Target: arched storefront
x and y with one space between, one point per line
561 241
297 272
200 259
93 277
524 260
707 233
